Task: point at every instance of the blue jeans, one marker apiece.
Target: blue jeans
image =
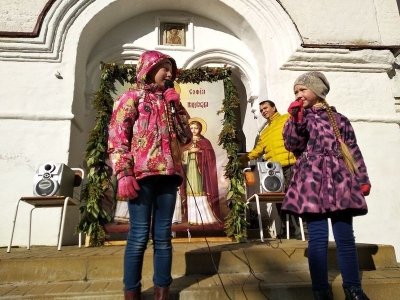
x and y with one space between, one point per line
154 205
342 227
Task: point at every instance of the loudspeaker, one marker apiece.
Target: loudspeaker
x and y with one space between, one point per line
271 176
53 180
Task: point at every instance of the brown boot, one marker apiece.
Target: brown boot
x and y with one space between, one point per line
133 295
161 293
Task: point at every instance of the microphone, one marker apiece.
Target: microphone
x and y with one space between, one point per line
170 85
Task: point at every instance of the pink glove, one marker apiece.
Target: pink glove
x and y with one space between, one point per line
128 187
296 110
171 95
365 188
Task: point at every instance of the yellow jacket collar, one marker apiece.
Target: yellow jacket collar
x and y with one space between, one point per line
274 116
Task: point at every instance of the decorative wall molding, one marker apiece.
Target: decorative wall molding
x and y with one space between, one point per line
129 53
48 45
279 25
247 74
351 46
340 60
41 116
375 119
394 76
36 29
36 116
121 54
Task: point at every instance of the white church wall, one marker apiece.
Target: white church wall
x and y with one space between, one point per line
138 32
33 88
27 143
380 144
359 22
36 118
365 96
20 15
38 107
387 15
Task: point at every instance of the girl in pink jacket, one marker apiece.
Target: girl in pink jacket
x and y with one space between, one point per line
141 153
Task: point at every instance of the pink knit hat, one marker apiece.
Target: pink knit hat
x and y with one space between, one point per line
147 61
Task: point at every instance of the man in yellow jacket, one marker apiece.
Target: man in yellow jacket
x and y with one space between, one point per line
270 145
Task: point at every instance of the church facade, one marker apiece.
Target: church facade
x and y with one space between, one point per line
50 54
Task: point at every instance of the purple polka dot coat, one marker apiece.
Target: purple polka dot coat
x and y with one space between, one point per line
320 182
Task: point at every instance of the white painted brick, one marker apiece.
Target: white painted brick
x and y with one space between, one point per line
20 15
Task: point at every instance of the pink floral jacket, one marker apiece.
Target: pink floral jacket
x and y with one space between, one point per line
139 139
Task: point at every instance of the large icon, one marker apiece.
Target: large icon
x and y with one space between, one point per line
53 179
271 176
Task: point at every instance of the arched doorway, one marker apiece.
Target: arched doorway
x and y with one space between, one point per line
212 44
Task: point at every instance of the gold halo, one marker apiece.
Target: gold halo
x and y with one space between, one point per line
177 87
202 122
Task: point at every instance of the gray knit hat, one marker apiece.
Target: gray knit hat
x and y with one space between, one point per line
315 81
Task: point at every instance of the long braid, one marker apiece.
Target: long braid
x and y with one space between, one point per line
347 157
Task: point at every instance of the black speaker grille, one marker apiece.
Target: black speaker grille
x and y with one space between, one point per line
45 187
272 183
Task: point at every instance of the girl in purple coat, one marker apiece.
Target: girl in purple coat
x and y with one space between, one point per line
329 180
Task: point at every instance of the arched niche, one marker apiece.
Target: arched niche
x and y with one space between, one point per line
266 33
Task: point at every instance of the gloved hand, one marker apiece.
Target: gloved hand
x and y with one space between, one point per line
128 187
296 110
366 189
171 95
244 159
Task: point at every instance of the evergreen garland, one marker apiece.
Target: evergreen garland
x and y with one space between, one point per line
235 221
99 186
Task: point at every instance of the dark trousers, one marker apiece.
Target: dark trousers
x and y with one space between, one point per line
342 226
